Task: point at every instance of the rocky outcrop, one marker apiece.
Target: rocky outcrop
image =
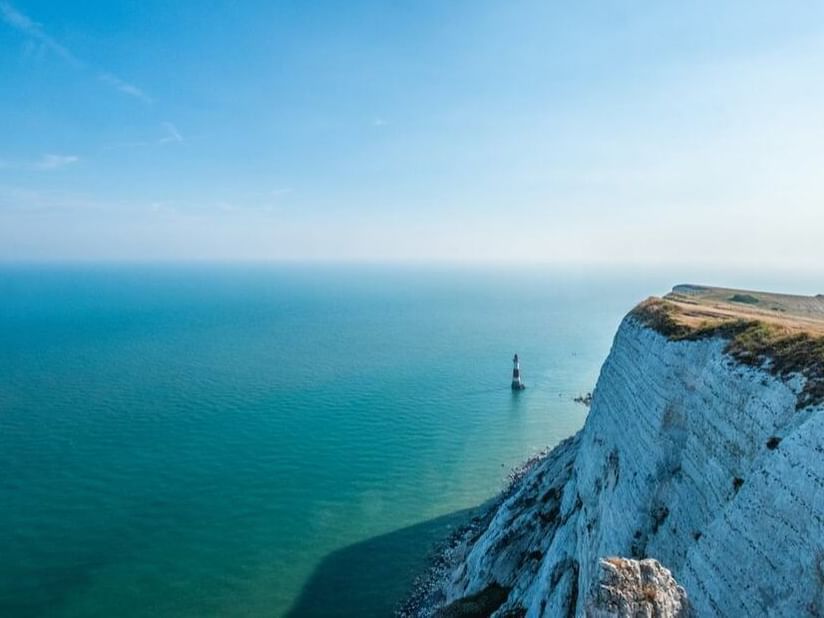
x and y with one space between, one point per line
636 589
688 456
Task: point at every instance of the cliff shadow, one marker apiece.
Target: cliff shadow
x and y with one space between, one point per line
370 578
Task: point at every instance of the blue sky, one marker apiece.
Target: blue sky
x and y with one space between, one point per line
591 132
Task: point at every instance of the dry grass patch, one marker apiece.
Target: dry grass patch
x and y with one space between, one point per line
782 346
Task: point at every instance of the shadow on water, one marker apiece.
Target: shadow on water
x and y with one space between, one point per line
369 579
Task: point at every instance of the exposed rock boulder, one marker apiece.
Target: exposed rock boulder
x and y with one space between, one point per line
636 589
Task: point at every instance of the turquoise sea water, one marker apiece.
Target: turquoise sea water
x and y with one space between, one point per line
250 441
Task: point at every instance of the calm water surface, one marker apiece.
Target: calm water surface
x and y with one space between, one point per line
239 441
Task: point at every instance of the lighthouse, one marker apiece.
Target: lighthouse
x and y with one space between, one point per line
517 385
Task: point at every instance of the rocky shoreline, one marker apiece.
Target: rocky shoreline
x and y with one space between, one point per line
424 598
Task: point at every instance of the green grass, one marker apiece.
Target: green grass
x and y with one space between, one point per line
479 605
744 298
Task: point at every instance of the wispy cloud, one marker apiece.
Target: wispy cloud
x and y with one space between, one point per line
379 122
54 161
45 163
125 87
24 24
39 40
172 134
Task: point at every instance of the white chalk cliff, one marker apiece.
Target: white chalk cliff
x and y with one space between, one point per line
689 457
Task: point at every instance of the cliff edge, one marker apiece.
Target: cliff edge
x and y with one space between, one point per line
703 450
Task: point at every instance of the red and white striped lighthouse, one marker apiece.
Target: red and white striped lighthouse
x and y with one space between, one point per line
517 385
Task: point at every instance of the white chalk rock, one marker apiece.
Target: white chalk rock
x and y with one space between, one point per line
688 457
636 589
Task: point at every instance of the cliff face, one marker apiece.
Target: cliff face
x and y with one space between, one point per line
688 456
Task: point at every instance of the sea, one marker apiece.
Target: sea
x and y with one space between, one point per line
272 440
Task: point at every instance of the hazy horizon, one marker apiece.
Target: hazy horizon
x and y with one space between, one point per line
651 279
473 132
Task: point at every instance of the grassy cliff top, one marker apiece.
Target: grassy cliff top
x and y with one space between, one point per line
702 302
781 333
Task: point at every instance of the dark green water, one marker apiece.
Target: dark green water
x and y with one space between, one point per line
239 441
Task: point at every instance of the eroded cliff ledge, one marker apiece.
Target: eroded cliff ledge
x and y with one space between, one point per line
703 450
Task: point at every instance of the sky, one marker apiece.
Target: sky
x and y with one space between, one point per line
467 131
